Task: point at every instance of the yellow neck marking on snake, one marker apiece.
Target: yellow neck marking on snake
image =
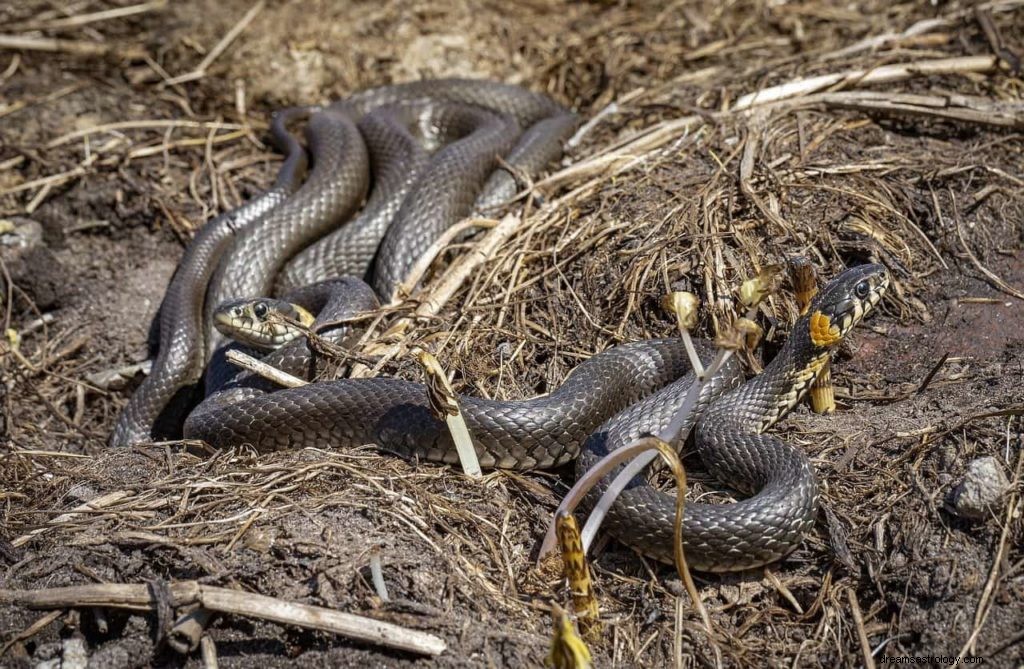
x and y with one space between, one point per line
304 317
823 333
801 380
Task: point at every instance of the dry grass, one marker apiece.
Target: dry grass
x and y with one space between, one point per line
681 182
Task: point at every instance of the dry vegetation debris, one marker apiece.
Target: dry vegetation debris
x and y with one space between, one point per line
723 138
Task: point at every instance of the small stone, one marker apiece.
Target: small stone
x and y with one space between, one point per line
675 586
981 490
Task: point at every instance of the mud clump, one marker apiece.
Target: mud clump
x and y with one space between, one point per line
31 265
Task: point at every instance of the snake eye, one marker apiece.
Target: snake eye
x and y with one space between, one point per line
260 309
862 289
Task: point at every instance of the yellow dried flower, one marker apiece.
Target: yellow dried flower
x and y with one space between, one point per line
731 339
567 649
751 331
754 291
684 305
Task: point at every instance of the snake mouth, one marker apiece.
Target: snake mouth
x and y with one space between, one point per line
260 323
262 335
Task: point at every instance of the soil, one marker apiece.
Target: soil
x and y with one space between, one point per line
931 382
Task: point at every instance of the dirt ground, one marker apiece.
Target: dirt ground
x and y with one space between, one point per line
113 158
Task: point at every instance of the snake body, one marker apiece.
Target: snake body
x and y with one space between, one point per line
182 354
337 183
633 389
608 401
731 442
242 253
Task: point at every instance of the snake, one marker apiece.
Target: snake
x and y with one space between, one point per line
733 445
607 402
461 128
182 335
431 150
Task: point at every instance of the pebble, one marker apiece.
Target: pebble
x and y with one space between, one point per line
980 492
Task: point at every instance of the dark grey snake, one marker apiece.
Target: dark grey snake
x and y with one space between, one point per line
607 402
391 132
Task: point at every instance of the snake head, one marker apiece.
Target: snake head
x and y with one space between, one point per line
261 322
843 302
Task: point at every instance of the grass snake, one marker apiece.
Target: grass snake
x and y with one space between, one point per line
430 151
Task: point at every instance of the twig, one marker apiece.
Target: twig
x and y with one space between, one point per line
878 75
931 375
246 361
862 635
11 68
153 124
31 630
431 303
781 588
995 40
84 19
10 163
964 108
750 148
113 379
920 28
1002 285
445 405
422 264
144 151
187 631
224 600
77 47
209 651
610 109
878 41
38 324
200 70
377 576
45 181
92 505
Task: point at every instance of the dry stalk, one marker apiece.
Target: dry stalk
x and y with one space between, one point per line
223 600
220 47
100 502
247 362
445 405
78 20
75 47
882 74
438 295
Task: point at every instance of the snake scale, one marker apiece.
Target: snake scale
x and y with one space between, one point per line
427 154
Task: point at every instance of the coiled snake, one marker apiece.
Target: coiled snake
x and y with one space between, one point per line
453 131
